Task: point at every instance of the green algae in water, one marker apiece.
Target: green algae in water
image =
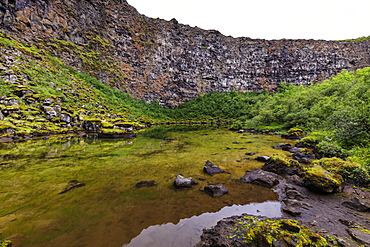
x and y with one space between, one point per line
110 210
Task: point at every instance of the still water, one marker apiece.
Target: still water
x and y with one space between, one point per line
109 210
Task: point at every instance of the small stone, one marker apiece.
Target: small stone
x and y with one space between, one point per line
211 169
216 190
182 182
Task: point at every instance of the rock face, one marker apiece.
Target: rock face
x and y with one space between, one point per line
164 60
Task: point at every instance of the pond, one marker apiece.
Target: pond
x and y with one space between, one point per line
110 210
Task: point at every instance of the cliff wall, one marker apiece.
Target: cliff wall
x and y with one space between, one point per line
164 60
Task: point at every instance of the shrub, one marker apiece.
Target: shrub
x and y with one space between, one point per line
328 149
350 171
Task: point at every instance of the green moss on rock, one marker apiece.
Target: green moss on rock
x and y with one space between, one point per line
5 243
320 180
257 231
351 171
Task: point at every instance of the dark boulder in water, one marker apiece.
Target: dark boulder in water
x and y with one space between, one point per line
182 182
145 184
211 169
216 190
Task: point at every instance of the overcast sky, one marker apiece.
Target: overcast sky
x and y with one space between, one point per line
267 19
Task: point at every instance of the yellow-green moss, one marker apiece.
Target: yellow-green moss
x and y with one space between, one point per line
295 132
281 160
5 243
114 131
254 229
322 177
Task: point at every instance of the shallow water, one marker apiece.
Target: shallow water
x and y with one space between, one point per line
110 210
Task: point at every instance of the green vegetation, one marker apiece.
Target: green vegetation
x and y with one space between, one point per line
256 231
360 39
40 95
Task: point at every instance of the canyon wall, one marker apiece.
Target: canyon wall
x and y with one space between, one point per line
167 61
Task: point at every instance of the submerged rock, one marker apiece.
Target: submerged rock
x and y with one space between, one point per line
182 182
145 184
261 177
211 169
216 190
71 185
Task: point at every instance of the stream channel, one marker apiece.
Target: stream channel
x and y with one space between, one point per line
110 210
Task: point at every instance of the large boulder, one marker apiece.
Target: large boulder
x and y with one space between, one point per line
182 182
216 190
211 169
262 178
318 180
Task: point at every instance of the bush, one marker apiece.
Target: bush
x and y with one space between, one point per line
350 171
328 150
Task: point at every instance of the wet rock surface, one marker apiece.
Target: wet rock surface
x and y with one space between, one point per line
341 218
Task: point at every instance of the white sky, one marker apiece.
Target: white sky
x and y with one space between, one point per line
267 19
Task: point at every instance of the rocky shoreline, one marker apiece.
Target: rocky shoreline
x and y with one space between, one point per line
340 214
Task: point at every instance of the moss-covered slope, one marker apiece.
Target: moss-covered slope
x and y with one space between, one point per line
40 95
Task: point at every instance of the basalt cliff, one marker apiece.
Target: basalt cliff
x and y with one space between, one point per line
165 60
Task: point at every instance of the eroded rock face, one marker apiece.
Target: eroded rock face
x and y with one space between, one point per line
168 61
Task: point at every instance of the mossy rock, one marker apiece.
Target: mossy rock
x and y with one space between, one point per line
320 180
281 165
295 132
350 171
107 125
5 243
259 231
114 131
6 125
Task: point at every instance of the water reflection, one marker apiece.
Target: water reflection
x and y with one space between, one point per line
187 232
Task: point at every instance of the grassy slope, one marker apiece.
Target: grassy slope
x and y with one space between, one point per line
336 112
32 79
